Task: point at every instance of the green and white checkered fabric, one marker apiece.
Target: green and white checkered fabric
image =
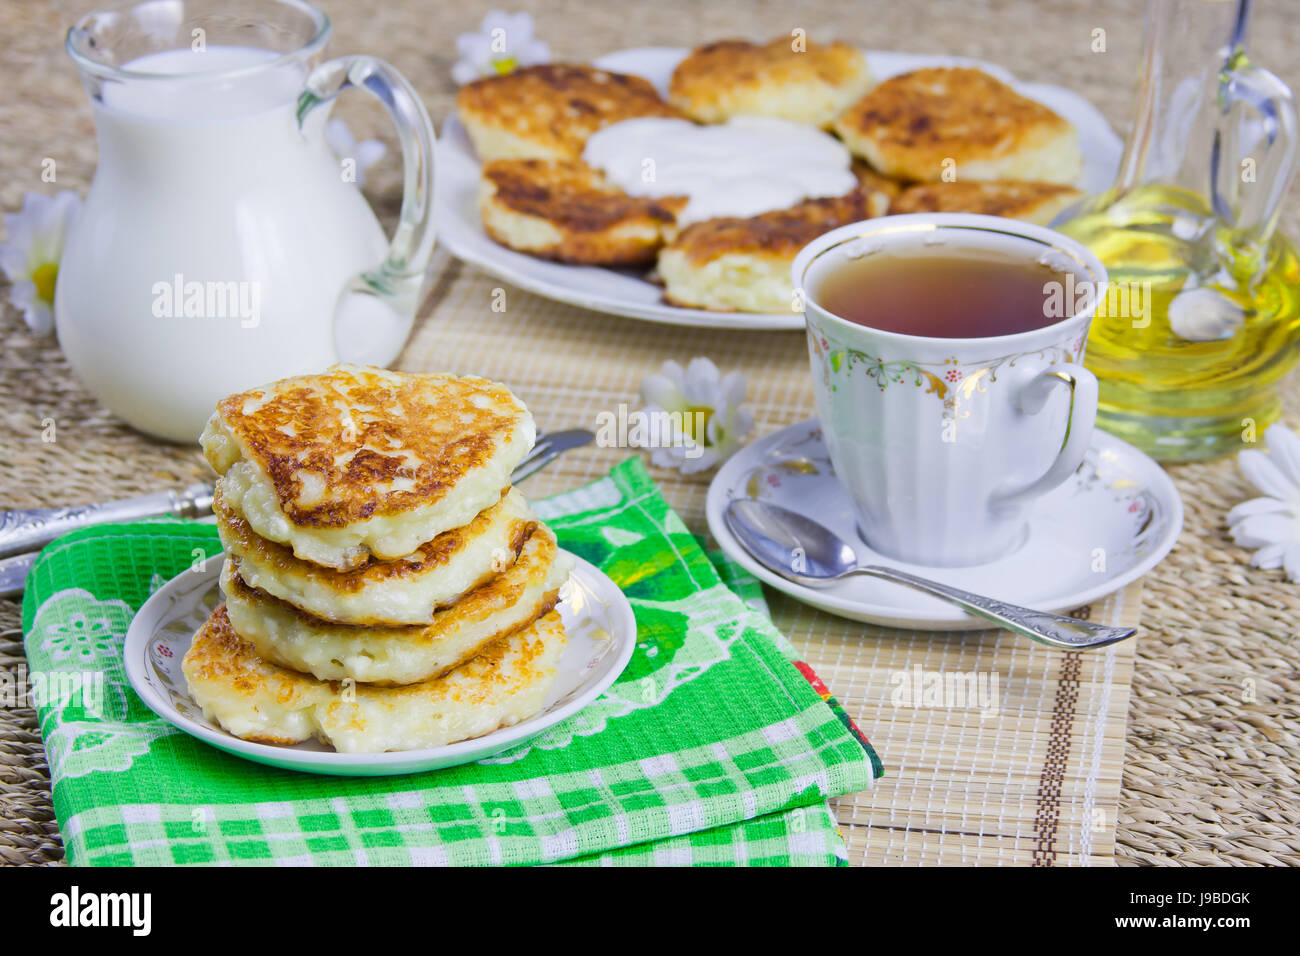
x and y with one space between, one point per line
714 747
804 836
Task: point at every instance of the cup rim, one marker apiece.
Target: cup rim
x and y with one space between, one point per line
914 223
78 35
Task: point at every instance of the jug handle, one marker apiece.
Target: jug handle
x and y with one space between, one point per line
398 280
1272 100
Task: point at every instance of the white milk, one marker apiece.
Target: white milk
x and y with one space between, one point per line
214 242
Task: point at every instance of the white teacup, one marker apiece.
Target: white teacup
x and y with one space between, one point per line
944 442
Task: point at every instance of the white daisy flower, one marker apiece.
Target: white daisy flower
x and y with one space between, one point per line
503 43
710 422
1204 315
360 155
30 256
1271 523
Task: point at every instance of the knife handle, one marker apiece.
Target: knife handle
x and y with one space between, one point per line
32 529
13 573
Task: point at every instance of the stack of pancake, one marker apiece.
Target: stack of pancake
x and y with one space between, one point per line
385 586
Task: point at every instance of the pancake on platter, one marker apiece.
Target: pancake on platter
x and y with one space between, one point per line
803 81
744 264
1033 202
548 111
920 125
566 211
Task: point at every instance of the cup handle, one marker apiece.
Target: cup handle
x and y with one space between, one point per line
1078 430
398 280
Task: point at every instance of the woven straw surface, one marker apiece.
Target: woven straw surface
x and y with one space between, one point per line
1180 747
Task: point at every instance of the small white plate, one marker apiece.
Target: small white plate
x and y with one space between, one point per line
1119 501
597 619
627 292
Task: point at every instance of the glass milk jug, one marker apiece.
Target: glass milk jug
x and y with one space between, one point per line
222 245
1203 316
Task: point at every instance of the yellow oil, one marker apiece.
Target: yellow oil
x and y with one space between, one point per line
1173 398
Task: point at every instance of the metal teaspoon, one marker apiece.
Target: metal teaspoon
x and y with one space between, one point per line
772 534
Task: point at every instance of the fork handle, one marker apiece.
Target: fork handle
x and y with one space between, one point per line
1054 630
32 529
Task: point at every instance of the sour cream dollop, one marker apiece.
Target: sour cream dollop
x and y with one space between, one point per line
743 167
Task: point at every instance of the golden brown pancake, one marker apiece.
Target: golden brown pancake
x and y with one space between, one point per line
911 125
744 264
567 211
548 111
1032 202
287 636
738 78
361 461
254 699
406 590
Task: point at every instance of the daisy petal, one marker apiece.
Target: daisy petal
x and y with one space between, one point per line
1291 561
465 72
519 31
13 261
700 462
715 431
536 52
664 458
733 388
39 317
741 425
1260 506
1256 531
496 20
59 215
1284 449
701 379
474 47
672 370
45 228
662 391
1268 558
1261 472
369 152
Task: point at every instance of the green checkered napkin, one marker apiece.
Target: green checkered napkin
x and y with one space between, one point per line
714 747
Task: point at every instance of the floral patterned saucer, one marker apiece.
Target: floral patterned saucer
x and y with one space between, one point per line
597 619
1109 524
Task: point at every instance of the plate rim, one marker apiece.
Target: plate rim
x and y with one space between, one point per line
661 313
899 618
144 624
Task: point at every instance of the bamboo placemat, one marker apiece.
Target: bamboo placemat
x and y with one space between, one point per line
1209 769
